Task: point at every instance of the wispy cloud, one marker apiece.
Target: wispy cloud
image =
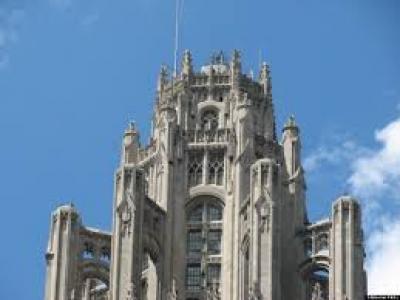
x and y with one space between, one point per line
334 153
11 15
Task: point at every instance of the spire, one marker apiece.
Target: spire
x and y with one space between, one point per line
187 67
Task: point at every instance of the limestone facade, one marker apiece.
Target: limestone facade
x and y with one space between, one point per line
213 207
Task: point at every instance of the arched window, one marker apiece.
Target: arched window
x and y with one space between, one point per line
209 120
204 236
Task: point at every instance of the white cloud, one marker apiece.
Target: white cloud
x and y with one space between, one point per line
384 259
378 172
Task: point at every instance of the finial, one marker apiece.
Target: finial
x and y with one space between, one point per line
163 78
290 123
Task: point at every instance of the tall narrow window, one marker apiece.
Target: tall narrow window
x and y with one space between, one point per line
195 168
213 274
216 168
214 212
214 242
204 236
194 241
193 277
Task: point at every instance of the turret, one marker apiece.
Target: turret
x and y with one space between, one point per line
131 145
62 252
162 79
127 234
266 208
346 282
296 182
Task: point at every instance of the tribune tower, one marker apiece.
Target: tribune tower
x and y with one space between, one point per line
212 208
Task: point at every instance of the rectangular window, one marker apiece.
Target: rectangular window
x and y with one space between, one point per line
194 241
193 277
213 274
214 213
214 242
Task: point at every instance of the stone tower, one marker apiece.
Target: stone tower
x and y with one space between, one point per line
213 208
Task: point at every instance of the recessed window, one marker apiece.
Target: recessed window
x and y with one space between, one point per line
214 242
209 120
194 241
213 274
204 239
193 277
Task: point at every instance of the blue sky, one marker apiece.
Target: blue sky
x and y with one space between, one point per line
73 73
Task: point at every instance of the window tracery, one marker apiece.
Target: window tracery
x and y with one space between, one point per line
216 168
195 168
